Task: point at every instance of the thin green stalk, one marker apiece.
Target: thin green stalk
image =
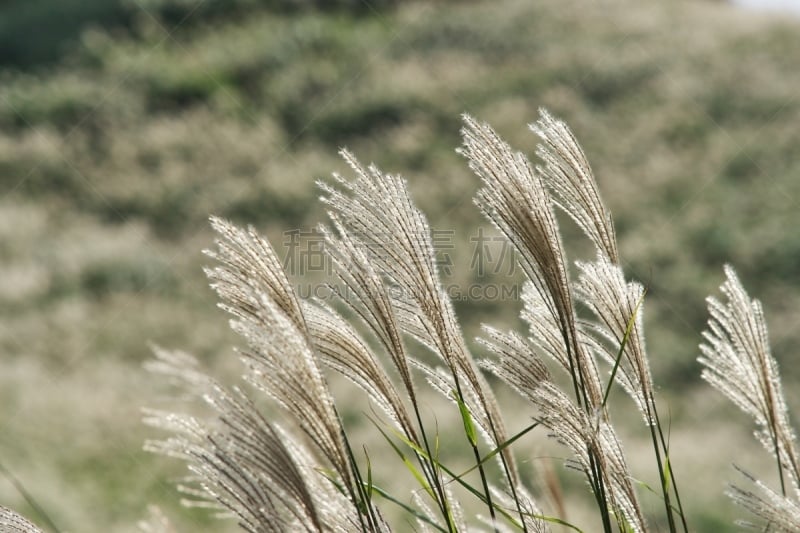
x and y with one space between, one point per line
501 447
479 495
506 469
595 476
511 486
574 373
422 480
661 475
469 431
416 514
459 478
364 499
29 499
773 424
442 497
599 489
665 446
623 344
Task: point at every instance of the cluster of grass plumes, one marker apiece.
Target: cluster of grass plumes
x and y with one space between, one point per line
586 336
308 474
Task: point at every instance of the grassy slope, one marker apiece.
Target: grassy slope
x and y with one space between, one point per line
110 164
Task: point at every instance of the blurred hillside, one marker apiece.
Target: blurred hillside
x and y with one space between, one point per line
124 124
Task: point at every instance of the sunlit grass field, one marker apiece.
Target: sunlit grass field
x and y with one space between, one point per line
114 151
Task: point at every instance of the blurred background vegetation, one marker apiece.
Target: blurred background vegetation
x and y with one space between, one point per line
125 123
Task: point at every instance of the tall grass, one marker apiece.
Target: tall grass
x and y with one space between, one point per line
392 330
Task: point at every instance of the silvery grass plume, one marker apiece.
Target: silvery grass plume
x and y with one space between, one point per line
11 522
520 199
738 362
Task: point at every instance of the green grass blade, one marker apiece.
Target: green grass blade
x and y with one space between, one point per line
628 330
499 449
667 473
414 512
466 419
554 520
407 462
476 492
369 484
